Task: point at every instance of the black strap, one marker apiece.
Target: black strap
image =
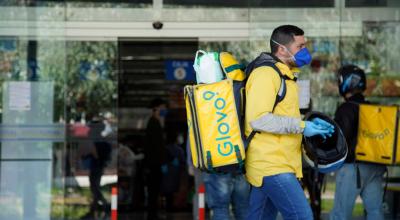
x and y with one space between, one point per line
282 88
241 168
315 185
210 167
250 137
243 96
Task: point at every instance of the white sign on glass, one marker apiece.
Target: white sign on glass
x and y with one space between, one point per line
20 96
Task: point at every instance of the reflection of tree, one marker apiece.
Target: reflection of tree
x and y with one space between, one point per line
91 77
79 89
353 51
90 89
241 50
374 49
52 67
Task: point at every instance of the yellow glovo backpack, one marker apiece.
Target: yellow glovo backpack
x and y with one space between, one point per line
215 112
378 132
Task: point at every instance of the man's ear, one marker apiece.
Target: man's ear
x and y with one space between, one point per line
280 51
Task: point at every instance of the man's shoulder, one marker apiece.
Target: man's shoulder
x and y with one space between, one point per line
350 105
264 73
153 122
346 109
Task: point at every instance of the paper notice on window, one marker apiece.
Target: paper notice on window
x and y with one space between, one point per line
304 93
20 96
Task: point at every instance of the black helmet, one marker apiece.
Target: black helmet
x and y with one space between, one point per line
351 77
328 154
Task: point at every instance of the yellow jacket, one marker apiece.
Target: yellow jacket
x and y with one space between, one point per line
272 153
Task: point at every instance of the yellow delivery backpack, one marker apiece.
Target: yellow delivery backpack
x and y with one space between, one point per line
214 129
377 140
215 135
215 112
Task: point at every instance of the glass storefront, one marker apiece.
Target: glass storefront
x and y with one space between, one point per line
77 78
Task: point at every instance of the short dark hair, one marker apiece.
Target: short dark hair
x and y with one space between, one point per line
284 35
156 102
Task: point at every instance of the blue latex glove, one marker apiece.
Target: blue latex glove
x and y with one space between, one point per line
164 169
326 125
323 124
313 129
175 162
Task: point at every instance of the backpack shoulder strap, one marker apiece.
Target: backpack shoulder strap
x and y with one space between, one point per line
279 96
282 88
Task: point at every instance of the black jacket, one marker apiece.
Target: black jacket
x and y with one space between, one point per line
346 117
155 151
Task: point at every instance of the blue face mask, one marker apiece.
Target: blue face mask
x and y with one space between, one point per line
163 112
301 58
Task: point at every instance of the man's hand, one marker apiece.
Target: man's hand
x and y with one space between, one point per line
313 129
324 124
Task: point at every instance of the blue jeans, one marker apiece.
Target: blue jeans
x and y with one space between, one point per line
371 191
281 192
223 190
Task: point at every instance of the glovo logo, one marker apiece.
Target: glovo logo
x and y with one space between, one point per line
375 135
225 146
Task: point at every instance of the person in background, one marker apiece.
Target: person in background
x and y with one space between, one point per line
97 161
155 155
127 170
171 180
223 191
352 83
